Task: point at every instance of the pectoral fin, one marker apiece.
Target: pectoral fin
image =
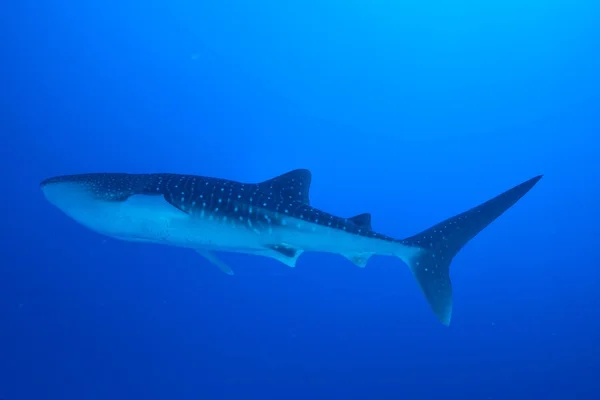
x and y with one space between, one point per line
210 256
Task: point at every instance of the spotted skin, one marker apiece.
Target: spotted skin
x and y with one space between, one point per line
279 212
260 205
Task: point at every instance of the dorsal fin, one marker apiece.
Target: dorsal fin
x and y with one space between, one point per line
293 185
362 220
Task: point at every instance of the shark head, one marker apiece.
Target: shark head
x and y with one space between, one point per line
92 199
72 193
68 193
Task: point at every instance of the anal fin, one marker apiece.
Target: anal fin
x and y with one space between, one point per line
210 256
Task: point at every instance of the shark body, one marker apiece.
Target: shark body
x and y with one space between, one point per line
273 218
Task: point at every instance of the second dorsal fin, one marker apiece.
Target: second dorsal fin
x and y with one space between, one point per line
362 220
292 186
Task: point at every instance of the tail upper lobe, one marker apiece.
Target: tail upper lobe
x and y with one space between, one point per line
440 243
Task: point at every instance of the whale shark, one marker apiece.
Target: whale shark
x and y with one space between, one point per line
273 218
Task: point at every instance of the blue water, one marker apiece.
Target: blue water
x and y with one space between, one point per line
411 110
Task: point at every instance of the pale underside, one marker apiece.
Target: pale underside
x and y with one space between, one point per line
151 219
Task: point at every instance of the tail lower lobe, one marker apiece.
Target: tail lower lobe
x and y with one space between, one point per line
440 243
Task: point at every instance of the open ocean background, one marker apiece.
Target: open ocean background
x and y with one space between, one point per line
412 110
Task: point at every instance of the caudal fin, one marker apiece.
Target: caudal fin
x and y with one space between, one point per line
440 243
